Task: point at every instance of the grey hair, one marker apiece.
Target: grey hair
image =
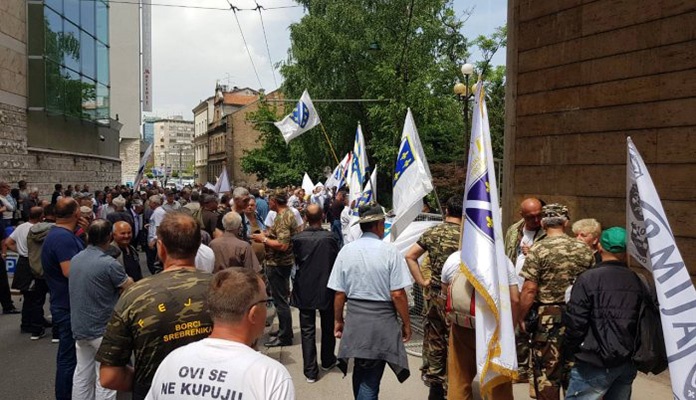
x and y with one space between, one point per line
239 192
552 222
588 225
155 199
231 221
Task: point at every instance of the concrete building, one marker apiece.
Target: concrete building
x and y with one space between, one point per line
581 76
173 144
201 115
149 129
125 69
55 123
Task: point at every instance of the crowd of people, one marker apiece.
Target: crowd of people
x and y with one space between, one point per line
217 262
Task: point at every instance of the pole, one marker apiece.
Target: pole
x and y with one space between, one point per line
326 135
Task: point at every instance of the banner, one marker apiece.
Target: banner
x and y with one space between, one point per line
412 180
223 183
147 55
141 169
303 118
483 258
651 242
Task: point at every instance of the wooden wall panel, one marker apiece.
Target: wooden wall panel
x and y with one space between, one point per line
532 9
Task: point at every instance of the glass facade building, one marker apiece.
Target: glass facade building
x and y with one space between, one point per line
68 46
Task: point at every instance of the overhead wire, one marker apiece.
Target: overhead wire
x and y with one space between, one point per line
251 59
265 38
137 3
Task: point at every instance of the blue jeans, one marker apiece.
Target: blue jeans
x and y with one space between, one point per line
367 375
588 382
66 359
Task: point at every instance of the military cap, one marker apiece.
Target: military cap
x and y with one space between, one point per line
555 210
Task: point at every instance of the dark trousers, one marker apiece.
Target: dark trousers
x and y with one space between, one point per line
367 374
279 279
5 296
66 359
33 320
153 263
337 231
309 346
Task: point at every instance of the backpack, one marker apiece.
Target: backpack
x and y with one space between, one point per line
649 353
461 302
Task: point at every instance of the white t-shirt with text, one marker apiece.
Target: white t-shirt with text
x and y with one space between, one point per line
220 369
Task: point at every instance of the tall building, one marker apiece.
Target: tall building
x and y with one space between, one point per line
201 115
55 120
149 129
581 76
173 148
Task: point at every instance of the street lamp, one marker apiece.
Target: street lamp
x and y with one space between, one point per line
464 93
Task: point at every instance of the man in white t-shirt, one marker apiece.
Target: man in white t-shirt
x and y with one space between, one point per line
461 360
270 218
225 365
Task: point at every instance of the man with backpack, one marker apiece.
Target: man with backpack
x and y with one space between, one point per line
602 320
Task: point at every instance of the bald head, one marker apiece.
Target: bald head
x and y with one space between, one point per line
314 214
35 214
66 209
123 233
530 210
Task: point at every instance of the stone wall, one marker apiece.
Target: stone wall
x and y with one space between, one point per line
130 159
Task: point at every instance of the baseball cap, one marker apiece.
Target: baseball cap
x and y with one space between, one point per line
613 239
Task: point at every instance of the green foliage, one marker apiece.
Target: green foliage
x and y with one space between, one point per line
333 55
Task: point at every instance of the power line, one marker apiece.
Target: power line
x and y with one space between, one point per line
265 38
251 59
135 3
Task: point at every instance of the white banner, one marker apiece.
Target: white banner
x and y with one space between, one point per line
147 54
141 169
651 243
483 258
412 180
303 118
223 183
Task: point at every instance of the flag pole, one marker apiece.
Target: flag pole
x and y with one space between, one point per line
437 198
326 135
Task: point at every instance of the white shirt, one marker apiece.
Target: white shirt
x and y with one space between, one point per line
155 221
451 268
9 203
270 218
205 259
218 368
527 240
19 235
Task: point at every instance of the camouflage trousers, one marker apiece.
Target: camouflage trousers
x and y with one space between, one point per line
435 334
549 368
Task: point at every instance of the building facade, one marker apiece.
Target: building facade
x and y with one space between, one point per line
149 129
581 76
201 115
173 147
55 123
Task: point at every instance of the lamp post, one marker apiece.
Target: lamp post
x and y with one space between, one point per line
464 93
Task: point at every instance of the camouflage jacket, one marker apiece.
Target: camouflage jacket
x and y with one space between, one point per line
513 236
283 229
155 316
553 264
440 242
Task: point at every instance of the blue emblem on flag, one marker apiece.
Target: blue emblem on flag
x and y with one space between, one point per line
404 160
356 169
300 114
481 218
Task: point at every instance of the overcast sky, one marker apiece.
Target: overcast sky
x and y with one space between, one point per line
193 48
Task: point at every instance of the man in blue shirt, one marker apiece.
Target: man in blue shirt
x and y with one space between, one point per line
372 276
60 246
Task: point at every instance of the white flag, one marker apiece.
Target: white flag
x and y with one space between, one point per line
307 184
358 166
651 243
373 184
223 184
369 194
141 169
303 118
483 258
412 180
336 179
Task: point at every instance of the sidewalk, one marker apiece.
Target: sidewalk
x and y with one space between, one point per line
331 385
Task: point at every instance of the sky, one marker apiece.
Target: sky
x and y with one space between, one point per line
192 48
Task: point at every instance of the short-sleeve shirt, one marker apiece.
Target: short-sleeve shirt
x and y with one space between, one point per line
153 317
19 235
59 246
554 263
453 264
369 269
440 242
283 229
229 369
95 279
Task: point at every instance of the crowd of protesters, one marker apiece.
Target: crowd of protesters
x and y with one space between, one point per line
216 262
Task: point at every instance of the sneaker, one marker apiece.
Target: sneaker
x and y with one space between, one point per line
37 336
330 367
55 340
310 380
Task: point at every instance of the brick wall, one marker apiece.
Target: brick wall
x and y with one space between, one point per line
581 77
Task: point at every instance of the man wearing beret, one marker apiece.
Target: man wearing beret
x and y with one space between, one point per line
551 267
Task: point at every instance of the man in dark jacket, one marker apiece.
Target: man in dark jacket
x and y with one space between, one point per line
315 252
601 323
